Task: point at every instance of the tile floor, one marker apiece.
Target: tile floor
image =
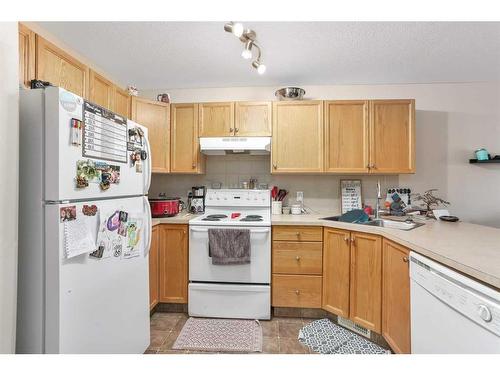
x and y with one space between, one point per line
279 334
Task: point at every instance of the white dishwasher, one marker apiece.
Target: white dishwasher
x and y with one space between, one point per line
451 313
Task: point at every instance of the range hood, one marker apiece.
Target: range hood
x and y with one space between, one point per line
235 145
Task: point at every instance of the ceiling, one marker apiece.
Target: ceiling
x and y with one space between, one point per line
152 55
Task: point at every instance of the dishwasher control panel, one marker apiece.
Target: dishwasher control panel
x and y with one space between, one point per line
472 299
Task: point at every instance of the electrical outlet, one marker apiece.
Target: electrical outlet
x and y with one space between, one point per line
300 196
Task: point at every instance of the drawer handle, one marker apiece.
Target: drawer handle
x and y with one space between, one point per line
297 234
297 292
405 259
297 258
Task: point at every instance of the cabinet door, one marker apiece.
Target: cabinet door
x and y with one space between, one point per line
59 68
297 137
396 296
122 102
253 119
156 117
154 283
336 269
346 136
366 280
101 90
26 55
392 136
216 119
185 147
173 263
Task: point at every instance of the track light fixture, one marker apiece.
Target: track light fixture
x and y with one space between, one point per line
247 36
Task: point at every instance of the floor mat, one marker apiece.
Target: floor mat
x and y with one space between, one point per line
324 336
224 335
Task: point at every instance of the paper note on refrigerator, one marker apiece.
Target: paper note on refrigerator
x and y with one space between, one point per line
77 238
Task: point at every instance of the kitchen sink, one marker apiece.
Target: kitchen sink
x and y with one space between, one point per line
331 218
402 225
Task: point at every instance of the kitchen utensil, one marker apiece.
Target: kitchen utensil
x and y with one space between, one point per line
165 207
482 154
354 216
296 209
290 93
274 192
281 195
276 207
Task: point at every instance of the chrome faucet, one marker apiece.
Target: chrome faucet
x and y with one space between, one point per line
377 205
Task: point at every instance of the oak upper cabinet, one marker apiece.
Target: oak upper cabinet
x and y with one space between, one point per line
396 297
121 102
216 119
101 90
366 280
154 268
61 69
26 55
156 117
185 154
297 137
392 136
336 270
253 119
173 263
346 136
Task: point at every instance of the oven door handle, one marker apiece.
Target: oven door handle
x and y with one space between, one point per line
267 230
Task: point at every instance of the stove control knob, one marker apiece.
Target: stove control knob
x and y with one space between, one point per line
484 313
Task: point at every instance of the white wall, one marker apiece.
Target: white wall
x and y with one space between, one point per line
9 146
452 121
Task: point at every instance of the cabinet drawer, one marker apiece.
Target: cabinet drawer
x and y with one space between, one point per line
296 291
297 257
297 233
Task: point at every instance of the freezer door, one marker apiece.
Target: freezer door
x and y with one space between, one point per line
101 148
97 305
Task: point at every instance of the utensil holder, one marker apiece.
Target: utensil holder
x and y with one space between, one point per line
276 207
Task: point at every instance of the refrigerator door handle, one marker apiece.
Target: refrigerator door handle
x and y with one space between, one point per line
149 164
150 226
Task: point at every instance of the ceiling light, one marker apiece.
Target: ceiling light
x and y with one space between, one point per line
261 68
234 27
247 52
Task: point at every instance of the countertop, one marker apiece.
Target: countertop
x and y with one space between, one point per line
468 248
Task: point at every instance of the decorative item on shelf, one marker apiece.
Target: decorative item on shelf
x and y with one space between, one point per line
165 98
132 91
38 84
248 38
290 93
482 154
430 201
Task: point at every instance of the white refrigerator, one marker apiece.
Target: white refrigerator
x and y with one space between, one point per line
84 227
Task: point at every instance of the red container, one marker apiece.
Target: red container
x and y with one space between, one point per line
165 207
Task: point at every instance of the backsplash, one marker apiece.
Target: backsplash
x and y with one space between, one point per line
321 192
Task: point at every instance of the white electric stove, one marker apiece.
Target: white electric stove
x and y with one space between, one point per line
231 291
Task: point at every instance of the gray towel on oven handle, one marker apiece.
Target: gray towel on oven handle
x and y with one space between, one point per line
229 246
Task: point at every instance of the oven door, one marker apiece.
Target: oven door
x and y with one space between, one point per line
258 271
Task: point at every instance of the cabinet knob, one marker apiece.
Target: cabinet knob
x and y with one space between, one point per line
297 258
297 233
353 240
193 165
297 292
405 259
275 166
346 238
236 130
231 130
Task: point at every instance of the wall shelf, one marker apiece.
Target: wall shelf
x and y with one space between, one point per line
489 161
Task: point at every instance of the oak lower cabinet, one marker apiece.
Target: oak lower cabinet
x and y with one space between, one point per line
173 257
352 276
392 136
297 266
60 68
26 55
101 90
185 156
154 268
396 297
346 136
156 117
297 137
216 119
253 119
